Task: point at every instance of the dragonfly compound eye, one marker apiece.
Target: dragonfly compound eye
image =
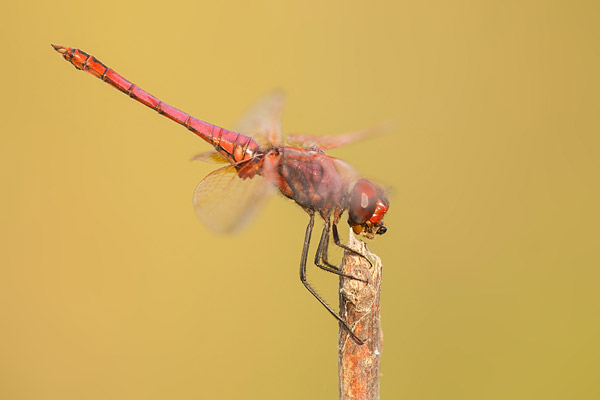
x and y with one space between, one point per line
363 202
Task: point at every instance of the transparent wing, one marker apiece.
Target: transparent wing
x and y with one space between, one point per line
211 157
226 203
263 120
346 172
331 142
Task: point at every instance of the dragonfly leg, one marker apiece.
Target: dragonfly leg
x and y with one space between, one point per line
336 239
321 255
303 258
325 248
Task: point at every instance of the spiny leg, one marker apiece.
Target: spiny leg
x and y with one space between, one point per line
303 258
336 239
325 250
321 255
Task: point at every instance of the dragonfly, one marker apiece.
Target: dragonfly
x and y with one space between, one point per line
227 198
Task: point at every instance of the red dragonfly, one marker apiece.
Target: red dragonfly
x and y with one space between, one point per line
228 196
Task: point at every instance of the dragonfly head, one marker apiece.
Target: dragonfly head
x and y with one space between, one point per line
366 208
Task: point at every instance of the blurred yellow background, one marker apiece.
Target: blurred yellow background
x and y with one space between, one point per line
111 289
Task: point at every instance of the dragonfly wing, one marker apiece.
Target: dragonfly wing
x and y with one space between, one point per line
347 173
331 142
211 157
263 120
225 202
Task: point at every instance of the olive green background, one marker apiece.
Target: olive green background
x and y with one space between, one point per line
111 289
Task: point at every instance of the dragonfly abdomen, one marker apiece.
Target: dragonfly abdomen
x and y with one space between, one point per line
234 146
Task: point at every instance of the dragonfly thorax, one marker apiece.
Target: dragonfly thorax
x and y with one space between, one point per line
309 177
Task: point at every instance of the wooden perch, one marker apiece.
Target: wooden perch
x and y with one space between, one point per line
359 305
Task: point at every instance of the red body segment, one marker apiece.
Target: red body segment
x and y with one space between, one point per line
234 146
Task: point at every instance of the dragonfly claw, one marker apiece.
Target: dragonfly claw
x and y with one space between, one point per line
358 341
356 253
363 280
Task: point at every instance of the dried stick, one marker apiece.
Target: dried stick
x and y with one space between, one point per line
359 305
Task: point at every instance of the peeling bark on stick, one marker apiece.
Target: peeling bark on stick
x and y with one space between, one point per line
359 305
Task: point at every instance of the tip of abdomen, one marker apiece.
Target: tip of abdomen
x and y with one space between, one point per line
60 49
